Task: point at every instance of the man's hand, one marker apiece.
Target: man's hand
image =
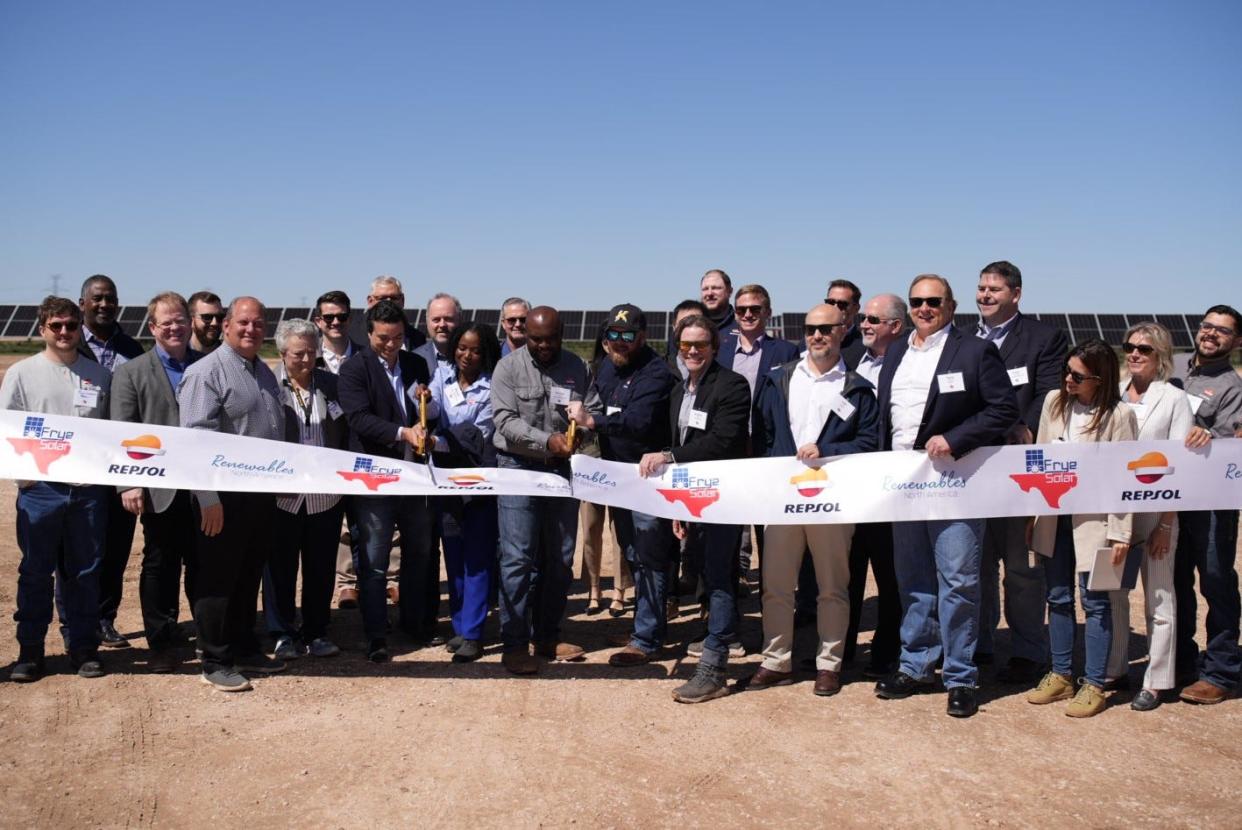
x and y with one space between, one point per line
807 452
579 414
679 529
131 500
1120 549
558 445
651 464
1020 433
1197 438
213 519
415 436
937 447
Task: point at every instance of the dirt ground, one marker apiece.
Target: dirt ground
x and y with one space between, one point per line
424 742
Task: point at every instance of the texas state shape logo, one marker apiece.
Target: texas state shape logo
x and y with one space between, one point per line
696 493
1053 479
41 443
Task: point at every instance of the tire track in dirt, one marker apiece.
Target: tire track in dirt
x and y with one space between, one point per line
139 746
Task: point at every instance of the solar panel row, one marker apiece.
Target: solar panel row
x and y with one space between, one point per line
19 321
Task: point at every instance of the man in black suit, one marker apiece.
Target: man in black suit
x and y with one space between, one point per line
1034 356
332 315
946 393
846 296
379 390
104 342
709 413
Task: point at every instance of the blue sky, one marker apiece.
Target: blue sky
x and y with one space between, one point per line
583 154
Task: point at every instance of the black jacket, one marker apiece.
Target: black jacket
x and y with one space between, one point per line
371 406
725 396
637 398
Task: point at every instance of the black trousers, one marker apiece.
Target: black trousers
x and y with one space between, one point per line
873 542
310 539
168 544
230 568
119 539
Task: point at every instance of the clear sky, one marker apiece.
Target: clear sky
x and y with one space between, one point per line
583 154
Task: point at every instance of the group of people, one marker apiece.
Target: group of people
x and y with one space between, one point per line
892 373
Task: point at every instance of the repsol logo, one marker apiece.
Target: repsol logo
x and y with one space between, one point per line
1151 495
135 470
814 507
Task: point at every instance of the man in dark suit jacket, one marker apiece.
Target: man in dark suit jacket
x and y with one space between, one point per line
847 296
947 393
103 342
708 417
379 390
144 392
1034 356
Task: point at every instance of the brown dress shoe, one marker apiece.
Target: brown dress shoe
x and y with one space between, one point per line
394 595
559 652
347 598
1204 692
766 678
517 662
629 656
827 682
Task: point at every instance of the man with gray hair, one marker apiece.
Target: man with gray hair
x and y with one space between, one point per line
385 287
513 320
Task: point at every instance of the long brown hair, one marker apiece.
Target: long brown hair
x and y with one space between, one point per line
1101 361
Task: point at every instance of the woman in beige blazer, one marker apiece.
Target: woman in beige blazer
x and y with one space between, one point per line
1163 412
1085 409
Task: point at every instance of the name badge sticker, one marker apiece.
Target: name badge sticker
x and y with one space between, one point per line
558 395
334 410
1195 403
842 407
951 382
698 419
86 397
1019 376
612 410
454 395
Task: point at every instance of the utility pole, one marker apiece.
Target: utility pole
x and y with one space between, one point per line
56 278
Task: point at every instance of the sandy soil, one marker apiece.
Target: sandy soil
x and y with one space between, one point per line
424 742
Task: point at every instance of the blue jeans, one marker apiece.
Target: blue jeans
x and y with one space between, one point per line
60 530
1004 541
1061 573
469 531
377 516
1208 545
937 567
721 569
537 539
647 543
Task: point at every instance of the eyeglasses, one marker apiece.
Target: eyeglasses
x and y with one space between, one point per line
1079 377
612 335
875 321
687 346
211 318
67 325
1141 348
824 329
1205 326
515 321
748 310
932 302
169 325
334 318
844 305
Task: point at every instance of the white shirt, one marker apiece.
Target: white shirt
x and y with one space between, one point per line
811 398
870 366
332 361
911 383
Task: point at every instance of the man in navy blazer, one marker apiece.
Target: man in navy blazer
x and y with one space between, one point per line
947 393
379 390
1034 356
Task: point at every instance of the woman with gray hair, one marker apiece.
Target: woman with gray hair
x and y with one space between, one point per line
1163 412
307 524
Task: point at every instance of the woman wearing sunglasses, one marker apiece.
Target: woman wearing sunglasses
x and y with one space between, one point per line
1162 412
1087 408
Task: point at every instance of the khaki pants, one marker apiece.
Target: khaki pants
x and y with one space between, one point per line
591 527
782 557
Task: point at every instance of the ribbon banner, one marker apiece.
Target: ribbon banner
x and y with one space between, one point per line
1119 477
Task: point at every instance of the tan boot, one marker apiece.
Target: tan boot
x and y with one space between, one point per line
1052 688
1088 702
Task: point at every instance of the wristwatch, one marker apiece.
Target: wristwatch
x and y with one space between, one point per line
668 456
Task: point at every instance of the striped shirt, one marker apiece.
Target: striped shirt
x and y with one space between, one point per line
309 411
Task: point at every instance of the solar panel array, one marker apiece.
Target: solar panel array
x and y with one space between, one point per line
20 321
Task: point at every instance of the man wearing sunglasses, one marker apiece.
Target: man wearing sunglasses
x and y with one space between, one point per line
1034 356
60 527
385 287
513 321
846 296
331 316
945 393
633 386
1207 543
206 320
103 341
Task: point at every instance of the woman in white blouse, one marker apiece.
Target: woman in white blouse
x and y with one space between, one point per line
1163 412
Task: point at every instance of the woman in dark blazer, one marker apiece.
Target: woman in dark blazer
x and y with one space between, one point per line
709 413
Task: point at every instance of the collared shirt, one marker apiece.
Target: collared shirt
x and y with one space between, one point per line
1215 394
332 361
811 398
310 413
104 350
869 367
522 407
173 367
225 392
474 407
393 374
995 334
687 404
746 363
911 384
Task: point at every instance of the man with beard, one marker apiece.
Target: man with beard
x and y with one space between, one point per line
206 319
633 386
715 288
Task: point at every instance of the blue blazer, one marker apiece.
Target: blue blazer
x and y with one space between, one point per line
1041 348
977 416
371 405
771 434
773 351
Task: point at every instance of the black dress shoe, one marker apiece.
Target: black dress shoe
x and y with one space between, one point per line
1145 700
468 651
109 637
901 685
377 650
963 702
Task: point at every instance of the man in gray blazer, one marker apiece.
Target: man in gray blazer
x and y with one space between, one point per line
145 393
